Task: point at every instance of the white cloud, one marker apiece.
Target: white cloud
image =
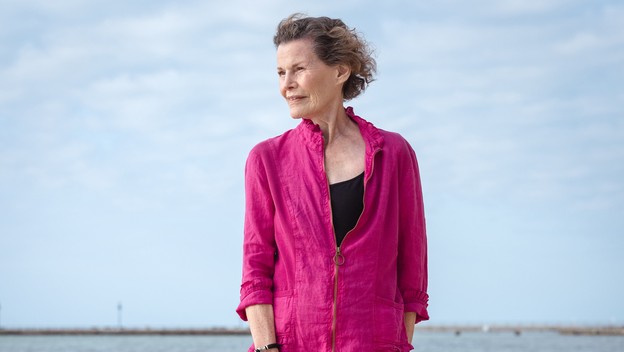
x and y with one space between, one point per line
142 115
517 7
499 101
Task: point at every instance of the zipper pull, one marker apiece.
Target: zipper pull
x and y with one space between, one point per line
339 259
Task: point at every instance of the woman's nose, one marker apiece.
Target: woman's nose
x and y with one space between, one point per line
289 81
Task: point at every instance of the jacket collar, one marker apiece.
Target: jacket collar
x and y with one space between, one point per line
312 135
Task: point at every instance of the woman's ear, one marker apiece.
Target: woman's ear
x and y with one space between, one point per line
344 72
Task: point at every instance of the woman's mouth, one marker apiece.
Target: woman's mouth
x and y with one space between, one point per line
294 98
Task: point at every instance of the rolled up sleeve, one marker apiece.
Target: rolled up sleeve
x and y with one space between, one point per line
259 246
412 260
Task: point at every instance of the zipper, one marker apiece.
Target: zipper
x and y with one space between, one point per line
336 261
339 258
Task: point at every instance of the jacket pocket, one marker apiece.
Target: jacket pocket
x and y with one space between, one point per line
283 313
388 322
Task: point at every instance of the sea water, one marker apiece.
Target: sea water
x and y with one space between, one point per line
424 341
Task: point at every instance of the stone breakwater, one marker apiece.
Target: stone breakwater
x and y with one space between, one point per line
124 331
519 329
613 331
457 330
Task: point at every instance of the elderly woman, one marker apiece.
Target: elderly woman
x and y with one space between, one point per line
335 254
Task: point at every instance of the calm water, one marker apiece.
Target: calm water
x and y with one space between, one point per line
425 342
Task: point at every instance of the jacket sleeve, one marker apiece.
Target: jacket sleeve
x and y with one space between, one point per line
412 254
259 237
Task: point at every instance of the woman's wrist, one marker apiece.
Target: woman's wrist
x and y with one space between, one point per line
270 347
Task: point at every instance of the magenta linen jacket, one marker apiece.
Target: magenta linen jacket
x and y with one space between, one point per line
329 298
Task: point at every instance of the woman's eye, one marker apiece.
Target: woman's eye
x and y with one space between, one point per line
280 73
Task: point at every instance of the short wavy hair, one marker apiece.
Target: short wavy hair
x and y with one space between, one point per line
334 43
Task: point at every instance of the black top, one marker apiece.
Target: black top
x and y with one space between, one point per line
347 202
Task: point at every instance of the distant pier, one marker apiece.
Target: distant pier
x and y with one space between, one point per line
125 331
520 329
458 330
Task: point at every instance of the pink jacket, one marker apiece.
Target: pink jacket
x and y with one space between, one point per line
326 298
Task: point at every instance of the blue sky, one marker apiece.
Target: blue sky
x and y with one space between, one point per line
124 129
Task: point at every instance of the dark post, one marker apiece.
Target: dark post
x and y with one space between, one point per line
119 313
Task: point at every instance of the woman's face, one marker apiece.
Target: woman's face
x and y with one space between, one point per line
311 88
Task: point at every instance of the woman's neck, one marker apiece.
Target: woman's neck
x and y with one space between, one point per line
335 125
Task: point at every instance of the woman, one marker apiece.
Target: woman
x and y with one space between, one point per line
335 252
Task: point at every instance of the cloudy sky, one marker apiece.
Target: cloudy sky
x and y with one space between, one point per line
124 128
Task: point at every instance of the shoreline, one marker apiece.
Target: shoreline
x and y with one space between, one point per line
455 329
586 330
125 331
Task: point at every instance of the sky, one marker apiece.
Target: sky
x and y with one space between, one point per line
124 129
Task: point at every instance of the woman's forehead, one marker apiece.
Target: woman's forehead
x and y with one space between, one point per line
297 50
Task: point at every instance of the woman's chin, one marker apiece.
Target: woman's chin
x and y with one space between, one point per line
296 113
